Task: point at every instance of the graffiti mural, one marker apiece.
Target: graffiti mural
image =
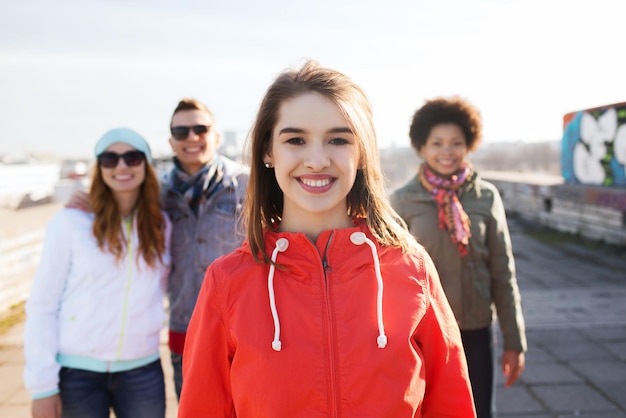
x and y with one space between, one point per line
594 146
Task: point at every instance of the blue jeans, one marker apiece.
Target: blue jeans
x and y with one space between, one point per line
136 393
177 365
479 350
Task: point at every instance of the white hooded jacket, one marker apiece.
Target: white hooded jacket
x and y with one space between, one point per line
87 309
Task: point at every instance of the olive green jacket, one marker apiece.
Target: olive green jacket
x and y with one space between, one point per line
481 285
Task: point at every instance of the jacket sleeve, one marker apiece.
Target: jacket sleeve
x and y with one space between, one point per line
505 290
448 388
41 373
207 356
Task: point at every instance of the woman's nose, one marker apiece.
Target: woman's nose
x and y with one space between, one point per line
317 158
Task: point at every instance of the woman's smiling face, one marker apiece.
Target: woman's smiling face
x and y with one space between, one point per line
445 149
123 178
315 156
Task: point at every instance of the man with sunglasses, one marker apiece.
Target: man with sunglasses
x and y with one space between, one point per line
203 195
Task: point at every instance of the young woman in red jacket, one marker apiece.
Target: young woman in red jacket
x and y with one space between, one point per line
330 308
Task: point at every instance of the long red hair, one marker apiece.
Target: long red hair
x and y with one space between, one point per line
107 225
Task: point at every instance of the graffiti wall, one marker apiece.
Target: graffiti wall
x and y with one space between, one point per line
594 146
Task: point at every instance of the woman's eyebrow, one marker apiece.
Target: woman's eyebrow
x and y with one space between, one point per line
343 130
291 130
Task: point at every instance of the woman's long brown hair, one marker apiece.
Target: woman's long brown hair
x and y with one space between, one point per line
367 199
107 225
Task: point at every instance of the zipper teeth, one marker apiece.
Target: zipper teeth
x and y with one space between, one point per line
128 282
331 346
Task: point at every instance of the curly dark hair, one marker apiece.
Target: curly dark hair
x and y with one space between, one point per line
443 110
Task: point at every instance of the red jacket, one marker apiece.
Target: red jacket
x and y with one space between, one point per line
324 309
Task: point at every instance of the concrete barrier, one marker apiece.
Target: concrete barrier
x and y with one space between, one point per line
594 212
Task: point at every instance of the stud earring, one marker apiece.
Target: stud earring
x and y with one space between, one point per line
268 165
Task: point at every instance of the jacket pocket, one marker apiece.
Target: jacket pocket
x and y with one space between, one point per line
480 296
226 225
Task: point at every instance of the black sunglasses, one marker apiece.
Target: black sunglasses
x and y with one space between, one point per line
180 133
110 159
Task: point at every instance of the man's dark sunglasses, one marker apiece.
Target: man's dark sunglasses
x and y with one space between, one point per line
180 133
110 159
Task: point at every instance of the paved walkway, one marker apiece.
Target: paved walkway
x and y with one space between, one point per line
574 302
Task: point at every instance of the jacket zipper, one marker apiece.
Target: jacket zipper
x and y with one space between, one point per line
129 278
334 395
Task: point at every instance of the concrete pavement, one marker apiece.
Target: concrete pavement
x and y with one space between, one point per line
574 303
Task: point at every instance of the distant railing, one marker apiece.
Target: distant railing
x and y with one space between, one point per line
19 258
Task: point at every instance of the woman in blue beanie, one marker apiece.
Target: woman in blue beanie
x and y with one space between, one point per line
95 311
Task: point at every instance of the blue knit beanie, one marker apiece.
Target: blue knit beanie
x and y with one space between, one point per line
124 136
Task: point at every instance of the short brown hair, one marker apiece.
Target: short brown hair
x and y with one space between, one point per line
444 110
191 104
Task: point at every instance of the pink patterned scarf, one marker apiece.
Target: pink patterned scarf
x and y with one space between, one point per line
452 217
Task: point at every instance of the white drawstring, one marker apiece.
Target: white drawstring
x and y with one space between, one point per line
359 238
281 245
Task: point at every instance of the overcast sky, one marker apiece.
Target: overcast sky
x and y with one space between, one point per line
72 69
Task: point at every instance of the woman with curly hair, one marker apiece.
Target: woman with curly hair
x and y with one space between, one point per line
96 308
460 219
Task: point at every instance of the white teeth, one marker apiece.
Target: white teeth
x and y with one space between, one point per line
122 177
316 183
194 149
